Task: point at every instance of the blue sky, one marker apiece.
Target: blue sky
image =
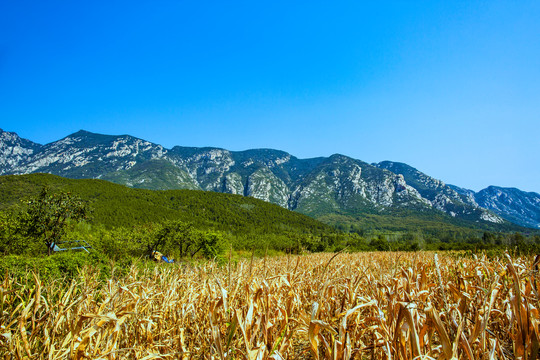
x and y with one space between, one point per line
449 87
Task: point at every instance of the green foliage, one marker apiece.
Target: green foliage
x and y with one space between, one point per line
11 239
183 240
116 244
119 206
429 223
380 244
211 243
47 216
64 265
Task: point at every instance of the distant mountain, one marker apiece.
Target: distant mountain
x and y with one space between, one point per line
14 151
441 196
84 155
514 205
319 186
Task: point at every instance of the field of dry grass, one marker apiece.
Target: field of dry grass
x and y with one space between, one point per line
353 306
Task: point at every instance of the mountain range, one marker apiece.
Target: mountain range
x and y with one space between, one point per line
320 186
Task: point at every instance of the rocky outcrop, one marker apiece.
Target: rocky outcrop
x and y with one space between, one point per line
520 207
15 151
445 198
263 184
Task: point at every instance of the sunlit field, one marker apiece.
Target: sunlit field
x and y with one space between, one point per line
324 306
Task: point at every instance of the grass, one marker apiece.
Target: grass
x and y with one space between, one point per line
323 306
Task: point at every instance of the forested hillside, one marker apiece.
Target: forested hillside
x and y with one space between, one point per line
115 205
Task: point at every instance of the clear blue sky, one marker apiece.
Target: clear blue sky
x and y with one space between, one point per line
449 87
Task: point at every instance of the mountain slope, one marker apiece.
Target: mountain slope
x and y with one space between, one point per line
514 205
15 151
441 196
88 155
153 174
317 187
117 205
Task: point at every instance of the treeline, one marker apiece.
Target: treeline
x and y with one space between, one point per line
36 225
433 223
409 241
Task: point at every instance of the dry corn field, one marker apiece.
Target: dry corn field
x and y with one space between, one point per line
351 306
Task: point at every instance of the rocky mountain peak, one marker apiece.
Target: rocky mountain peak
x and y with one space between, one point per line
14 150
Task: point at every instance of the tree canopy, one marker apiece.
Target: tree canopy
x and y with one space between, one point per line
46 217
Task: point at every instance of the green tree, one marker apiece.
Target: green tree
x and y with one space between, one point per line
380 243
47 216
210 244
184 240
174 233
488 238
518 240
11 241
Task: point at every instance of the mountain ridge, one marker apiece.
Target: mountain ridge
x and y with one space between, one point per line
515 205
318 186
